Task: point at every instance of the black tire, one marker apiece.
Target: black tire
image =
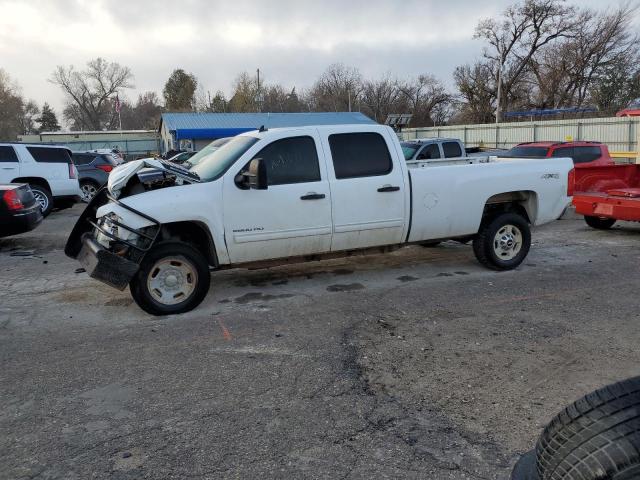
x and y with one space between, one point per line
187 257
88 190
601 223
43 197
486 251
595 438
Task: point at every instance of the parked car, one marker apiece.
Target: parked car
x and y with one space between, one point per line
294 194
182 157
582 153
632 110
93 171
47 169
204 153
433 148
19 209
116 154
607 193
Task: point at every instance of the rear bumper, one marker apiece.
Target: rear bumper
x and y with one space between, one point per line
20 222
104 265
605 206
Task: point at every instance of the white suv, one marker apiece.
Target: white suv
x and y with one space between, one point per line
49 171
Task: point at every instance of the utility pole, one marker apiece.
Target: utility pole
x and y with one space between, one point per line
258 98
349 99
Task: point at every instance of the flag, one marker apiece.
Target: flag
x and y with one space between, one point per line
117 104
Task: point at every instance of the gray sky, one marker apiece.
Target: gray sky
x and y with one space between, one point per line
291 42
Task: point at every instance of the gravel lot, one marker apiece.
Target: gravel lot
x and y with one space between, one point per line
417 364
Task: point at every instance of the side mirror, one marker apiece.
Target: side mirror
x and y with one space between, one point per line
256 176
423 156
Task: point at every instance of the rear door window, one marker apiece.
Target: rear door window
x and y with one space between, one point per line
291 160
429 152
563 152
586 154
82 158
50 155
359 155
451 149
528 152
8 154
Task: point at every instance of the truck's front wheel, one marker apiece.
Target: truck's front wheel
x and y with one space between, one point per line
503 243
173 278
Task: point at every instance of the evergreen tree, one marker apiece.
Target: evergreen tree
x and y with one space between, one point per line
48 120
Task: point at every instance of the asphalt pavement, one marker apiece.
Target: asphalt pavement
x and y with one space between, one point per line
415 364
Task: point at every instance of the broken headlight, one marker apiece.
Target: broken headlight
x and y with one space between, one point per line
106 223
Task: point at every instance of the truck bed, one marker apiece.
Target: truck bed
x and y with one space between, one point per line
608 192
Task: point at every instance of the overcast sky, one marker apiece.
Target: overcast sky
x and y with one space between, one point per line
291 42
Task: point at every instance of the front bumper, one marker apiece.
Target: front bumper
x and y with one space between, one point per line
106 266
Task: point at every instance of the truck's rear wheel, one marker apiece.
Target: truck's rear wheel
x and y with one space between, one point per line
173 278
503 243
601 223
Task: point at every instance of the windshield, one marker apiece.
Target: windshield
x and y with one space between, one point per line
409 149
212 147
217 160
528 152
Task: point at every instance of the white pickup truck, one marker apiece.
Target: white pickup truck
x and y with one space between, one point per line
298 194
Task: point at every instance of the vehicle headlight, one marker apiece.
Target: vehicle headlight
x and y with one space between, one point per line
109 225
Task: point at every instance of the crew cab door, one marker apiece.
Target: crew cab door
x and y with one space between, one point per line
367 190
9 165
292 216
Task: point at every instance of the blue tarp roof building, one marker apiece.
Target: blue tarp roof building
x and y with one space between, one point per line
202 128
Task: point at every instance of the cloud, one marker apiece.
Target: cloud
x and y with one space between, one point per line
292 42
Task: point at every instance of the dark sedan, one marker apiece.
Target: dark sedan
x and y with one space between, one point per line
19 210
93 171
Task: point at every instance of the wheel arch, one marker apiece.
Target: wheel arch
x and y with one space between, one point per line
33 180
522 202
194 232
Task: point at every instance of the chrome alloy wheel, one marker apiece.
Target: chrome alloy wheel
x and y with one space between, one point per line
507 242
88 191
172 280
42 199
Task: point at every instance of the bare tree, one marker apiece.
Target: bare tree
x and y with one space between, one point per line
514 39
144 114
423 94
90 92
565 73
476 85
381 97
245 94
337 89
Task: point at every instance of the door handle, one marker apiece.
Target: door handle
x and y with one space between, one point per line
312 196
9 168
388 188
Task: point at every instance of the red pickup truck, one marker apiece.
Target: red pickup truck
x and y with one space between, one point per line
582 153
605 194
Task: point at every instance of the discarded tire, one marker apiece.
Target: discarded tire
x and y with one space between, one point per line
595 438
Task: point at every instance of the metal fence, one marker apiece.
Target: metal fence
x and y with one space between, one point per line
620 134
131 148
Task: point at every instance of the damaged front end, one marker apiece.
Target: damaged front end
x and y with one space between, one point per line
107 248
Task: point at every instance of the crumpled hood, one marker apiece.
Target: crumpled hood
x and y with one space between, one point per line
120 175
